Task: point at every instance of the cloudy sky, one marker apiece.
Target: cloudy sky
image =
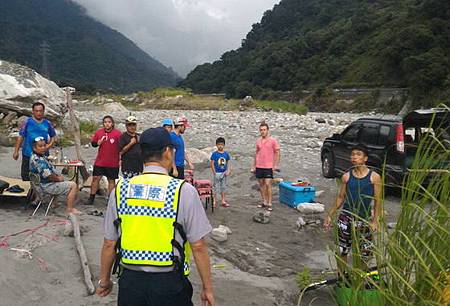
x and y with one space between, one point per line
181 33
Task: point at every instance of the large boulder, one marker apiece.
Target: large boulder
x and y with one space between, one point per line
114 107
197 156
21 86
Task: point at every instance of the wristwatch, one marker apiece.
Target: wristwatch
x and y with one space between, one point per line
104 286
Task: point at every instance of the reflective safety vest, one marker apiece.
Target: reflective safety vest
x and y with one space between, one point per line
147 206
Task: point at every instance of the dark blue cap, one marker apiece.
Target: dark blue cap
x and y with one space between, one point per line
155 139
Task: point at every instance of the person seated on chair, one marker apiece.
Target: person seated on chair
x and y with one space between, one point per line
51 182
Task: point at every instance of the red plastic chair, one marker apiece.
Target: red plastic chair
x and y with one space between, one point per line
189 176
204 189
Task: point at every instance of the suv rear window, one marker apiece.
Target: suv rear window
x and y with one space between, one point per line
369 134
385 132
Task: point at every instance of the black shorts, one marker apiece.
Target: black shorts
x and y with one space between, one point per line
25 169
262 173
109 172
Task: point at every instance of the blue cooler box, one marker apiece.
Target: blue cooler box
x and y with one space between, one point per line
294 195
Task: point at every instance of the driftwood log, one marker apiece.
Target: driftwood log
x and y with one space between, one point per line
82 253
75 128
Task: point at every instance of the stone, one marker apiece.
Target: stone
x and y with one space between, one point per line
247 100
320 120
208 150
68 230
9 118
21 86
391 225
21 120
197 156
311 208
261 217
226 229
319 193
6 141
313 145
300 222
219 234
115 107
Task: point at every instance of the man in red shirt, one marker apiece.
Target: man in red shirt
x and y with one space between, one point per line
267 159
107 161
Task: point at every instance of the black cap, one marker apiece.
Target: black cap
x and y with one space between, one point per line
155 139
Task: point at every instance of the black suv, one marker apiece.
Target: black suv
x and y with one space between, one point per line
388 137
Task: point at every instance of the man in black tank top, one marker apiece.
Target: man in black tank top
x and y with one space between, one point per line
359 186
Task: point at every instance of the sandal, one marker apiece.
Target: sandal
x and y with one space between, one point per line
225 204
260 205
269 208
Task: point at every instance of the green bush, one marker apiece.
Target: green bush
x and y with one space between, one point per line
281 106
88 127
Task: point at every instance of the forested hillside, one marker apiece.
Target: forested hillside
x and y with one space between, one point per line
303 44
81 51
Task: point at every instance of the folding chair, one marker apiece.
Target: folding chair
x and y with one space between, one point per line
35 182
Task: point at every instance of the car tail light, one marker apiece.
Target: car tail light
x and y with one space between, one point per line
400 139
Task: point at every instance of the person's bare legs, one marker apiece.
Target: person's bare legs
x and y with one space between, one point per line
94 184
111 185
268 184
94 188
262 190
71 197
224 202
223 197
215 197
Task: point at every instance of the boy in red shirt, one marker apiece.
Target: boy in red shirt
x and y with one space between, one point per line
107 160
267 159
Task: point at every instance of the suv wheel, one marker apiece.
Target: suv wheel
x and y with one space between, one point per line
328 165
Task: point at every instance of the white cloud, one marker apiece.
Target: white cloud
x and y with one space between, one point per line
181 33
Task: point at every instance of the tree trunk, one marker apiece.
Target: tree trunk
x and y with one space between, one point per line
75 128
82 254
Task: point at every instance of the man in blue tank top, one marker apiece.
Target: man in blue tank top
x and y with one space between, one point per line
359 187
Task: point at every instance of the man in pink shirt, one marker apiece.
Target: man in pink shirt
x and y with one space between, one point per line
107 161
267 159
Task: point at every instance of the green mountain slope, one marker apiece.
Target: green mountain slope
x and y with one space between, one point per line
306 43
82 51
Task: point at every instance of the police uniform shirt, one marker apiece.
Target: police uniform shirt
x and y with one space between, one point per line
191 215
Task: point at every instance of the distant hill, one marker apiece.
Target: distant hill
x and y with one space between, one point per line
82 52
342 43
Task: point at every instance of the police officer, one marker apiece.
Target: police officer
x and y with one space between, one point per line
155 221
